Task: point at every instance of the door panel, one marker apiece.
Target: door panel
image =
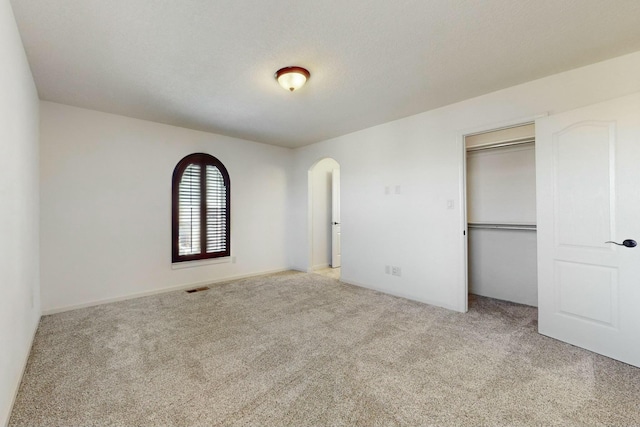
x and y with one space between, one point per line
579 284
584 176
588 175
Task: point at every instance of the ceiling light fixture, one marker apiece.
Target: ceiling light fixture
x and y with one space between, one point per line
292 78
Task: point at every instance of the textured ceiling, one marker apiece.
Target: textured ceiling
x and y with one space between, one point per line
209 64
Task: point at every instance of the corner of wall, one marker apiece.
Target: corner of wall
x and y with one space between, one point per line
19 226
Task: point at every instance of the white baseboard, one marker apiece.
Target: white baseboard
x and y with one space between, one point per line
399 294
320 267
157 291
24 368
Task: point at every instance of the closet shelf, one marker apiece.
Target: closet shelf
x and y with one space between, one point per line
503 226
501 144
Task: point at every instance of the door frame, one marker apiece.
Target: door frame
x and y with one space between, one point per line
310 210
462 303
335 226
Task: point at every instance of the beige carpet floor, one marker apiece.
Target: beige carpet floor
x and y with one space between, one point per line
333 273
301 349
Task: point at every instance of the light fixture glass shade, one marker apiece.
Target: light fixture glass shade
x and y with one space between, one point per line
292 78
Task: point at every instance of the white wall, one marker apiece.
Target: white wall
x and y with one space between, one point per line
501 185
19 271
322 208
416 230
503 265
106 206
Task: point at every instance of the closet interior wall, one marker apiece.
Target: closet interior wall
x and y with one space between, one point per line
501 215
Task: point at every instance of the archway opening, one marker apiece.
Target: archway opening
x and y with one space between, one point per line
324 228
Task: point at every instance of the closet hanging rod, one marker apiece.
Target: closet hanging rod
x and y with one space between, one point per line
527 227
493 145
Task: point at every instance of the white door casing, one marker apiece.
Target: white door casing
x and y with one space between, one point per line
588 193
335 218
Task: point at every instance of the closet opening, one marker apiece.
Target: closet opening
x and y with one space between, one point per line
501 241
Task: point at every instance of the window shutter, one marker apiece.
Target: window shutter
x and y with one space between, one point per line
189 206
216 226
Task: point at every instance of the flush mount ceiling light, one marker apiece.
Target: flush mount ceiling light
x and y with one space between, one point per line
292 78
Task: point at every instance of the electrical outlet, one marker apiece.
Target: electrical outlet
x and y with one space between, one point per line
387 190
398 189
387 269
396 271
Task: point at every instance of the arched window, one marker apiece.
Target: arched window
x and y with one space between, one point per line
201 209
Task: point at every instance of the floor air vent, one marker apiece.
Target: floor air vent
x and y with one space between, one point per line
204 288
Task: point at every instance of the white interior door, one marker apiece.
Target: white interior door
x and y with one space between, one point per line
588 193
335 218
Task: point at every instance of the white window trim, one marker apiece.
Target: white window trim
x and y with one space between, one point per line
203 262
